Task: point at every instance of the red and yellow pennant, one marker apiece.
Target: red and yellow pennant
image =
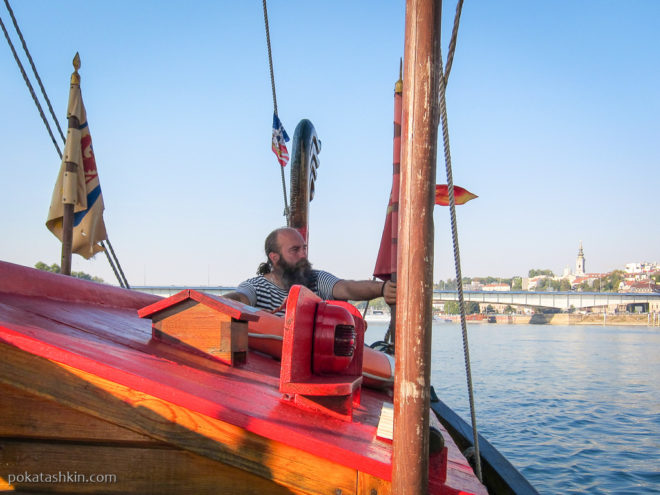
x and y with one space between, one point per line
461 196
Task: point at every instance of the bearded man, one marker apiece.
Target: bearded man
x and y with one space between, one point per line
287 265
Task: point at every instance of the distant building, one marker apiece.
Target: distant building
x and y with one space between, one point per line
589 278
644 267
496 287
532 282
474 286
580 268
644 287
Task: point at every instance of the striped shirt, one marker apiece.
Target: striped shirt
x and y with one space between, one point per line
264 294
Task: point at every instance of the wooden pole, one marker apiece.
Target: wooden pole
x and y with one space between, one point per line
67 238
69 199
415 259
69 183
396 174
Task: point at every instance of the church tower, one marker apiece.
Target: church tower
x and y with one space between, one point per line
579 263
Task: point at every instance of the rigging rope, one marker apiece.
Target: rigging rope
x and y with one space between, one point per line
272 85
121 272
454 231
123 282
34 69
112 265
452 42
29 85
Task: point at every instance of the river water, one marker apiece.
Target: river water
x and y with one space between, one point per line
575 408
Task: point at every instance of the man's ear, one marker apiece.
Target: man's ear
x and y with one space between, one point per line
273 257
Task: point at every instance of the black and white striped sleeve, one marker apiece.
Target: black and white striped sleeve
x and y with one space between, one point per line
325 283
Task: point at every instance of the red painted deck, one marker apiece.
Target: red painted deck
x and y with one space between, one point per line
96 329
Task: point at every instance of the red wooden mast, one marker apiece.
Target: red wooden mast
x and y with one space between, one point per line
415 258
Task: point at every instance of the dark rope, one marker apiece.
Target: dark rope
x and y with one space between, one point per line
457 255
112 265
34 70
272 85
29 85
121 272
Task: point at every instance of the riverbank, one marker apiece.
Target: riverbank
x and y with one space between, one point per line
562 319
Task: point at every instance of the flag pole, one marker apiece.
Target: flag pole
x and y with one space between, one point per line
396 164
69 186
386 261
410 465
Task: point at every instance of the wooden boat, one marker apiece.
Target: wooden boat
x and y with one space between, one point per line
113 391
88 391
377 315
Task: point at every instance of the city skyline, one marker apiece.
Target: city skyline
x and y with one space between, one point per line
577 272
558 142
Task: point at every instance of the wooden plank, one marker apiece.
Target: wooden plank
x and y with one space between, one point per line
386 422
371 485
16 279
173 424
25 415
241 397
64 467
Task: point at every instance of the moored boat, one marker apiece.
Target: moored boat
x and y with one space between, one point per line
377 315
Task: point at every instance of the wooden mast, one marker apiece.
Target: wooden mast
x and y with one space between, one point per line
415 258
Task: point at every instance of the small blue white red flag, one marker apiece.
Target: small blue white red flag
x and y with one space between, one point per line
280 138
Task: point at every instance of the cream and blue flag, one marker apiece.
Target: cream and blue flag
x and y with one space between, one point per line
88 225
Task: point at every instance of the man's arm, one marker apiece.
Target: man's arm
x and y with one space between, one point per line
237 296
364 290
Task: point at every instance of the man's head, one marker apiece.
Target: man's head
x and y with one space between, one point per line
286 251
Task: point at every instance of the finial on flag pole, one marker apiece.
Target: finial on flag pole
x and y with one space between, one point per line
75 77
398 86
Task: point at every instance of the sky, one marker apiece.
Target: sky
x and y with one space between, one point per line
553 117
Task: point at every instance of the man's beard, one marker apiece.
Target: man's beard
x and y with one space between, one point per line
295 274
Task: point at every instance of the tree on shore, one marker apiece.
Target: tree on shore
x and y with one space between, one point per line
453 308
611 282
535 272
55 268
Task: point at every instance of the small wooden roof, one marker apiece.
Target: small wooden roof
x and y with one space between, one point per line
220 304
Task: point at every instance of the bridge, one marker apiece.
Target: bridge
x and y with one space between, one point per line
560 300
170 290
